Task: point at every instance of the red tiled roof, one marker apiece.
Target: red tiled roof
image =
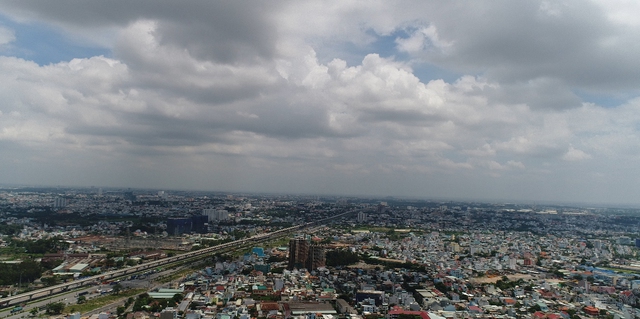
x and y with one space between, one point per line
475 308
268 306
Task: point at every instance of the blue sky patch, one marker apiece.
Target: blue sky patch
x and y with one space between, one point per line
45 45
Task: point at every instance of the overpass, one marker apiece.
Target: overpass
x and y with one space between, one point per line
48 291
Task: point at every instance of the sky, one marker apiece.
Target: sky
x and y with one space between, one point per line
479 100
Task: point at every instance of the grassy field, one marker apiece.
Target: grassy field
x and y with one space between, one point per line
175 276
102 301
239 252
373 229
620 270
284 241
15 253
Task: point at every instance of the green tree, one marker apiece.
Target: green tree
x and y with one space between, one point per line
6 229
535 308
27 271
441 287
277 270
50 281
129 302
275 259
110 262
55 308
82 299
117 288
51 263
326 241
341 258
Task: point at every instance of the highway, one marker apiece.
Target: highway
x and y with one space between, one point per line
61 288
71 297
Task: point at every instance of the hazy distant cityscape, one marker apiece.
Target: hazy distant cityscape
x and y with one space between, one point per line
135 253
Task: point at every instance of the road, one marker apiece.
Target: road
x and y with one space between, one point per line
63 292
192 255
71 297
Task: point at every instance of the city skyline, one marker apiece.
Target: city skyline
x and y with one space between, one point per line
534 101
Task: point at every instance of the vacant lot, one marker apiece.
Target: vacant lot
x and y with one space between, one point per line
492 280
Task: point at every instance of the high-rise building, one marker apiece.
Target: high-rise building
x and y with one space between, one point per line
179 226
215 214
60 202
199 223
298 253
129 196
304 255
316 257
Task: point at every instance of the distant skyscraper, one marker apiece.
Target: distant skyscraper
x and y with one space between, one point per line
362 217
199 223
382 207
130 196
216 214
60 202
179 226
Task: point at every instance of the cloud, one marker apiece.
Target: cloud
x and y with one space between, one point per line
218 31
261 97
422 39
6 36
574 155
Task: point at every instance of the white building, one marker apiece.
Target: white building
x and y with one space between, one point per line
216 214
60 202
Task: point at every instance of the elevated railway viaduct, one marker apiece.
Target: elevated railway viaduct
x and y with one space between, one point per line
202 253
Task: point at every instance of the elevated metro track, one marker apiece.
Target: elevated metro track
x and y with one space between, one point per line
52 290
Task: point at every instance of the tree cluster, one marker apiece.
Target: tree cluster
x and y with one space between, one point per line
10 230
154 305
27 271
55 308
41 246
505 283
336 258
